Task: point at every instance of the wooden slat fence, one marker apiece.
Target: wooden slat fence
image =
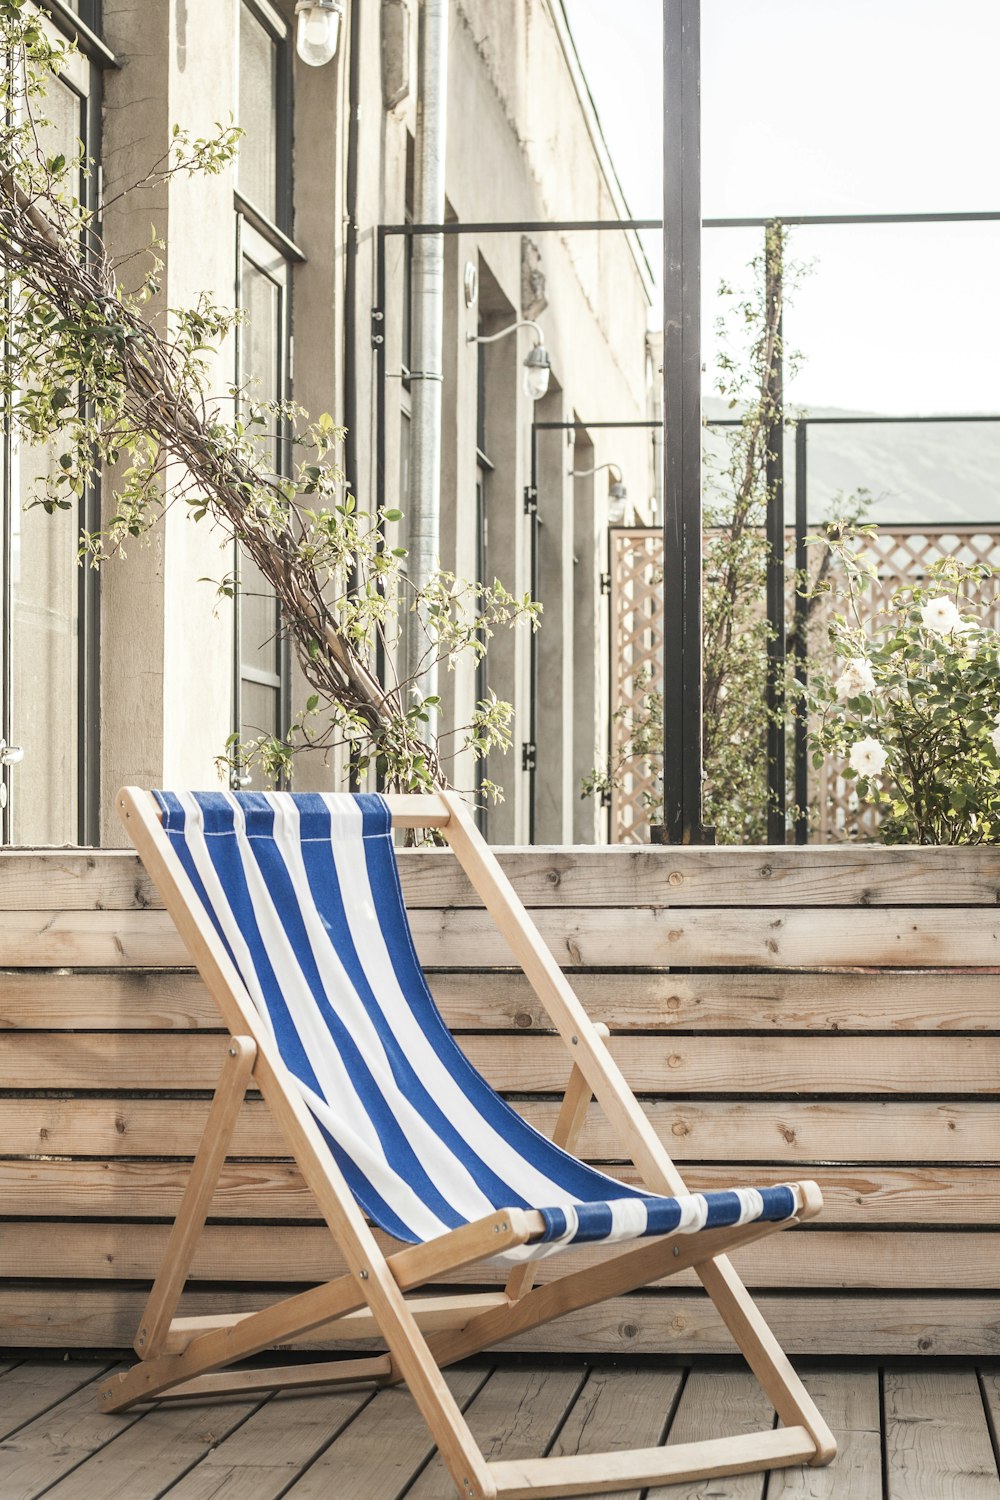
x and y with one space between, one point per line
828 1012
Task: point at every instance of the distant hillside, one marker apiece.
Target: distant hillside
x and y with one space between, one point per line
917 472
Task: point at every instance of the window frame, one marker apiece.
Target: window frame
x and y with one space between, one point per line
83 76
279 222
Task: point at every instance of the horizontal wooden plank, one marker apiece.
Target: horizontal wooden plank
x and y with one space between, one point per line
700 937
869 875
629 1000
887 1260
528 1064
686 1323
853 1195
844 875
679 1323
756 1065
579 937
105 1000
795 1132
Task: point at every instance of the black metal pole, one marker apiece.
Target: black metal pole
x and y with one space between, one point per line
801 641
351 255
352 477
378 346
529 749
775 527
682 525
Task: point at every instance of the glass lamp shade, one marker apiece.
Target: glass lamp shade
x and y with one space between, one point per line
617 497
536 373
317 32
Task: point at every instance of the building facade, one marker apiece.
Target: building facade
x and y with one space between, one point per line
139 673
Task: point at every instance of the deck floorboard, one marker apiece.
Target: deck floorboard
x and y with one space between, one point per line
905 1432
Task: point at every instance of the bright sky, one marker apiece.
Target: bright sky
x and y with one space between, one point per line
836 106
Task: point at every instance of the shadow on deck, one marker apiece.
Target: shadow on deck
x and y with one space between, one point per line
904 1433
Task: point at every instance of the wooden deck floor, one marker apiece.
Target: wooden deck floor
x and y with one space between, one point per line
905 1433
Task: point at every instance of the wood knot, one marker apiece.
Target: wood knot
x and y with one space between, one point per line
120 1125
674 1060
628 1330
674 1002
553 877
680 1128
772 946
524 1020
675 878
675 936
787 1133
765 872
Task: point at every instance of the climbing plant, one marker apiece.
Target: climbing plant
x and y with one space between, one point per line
735 629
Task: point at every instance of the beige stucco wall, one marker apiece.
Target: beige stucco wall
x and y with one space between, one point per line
522 146
166 644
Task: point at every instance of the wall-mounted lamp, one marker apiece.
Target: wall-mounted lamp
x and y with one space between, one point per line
537 365
317 30
617 493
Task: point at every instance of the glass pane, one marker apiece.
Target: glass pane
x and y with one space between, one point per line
404 461
930 473
45 665
257 168
45 580
260 648
61 127
261 356
823 108
261 342
895 318
260 709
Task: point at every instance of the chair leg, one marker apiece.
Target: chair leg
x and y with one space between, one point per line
569 1127
764 1355
190 1221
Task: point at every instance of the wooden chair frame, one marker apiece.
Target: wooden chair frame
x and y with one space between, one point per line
184 1356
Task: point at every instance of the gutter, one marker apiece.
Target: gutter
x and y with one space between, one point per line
423 519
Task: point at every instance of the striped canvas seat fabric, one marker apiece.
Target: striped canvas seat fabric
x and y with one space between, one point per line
304 891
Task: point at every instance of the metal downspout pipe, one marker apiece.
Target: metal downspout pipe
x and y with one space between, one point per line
424 503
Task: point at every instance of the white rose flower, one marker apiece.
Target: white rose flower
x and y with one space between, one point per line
856 678
868 757
941 617
995 737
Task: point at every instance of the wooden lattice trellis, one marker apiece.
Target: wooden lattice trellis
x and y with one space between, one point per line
636 660
904 554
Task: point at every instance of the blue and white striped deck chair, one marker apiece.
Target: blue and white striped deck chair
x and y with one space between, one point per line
292 909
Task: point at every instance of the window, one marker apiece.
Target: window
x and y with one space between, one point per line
484 468
263 346
264 178
48 604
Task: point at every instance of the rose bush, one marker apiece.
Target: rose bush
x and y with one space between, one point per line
913 717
